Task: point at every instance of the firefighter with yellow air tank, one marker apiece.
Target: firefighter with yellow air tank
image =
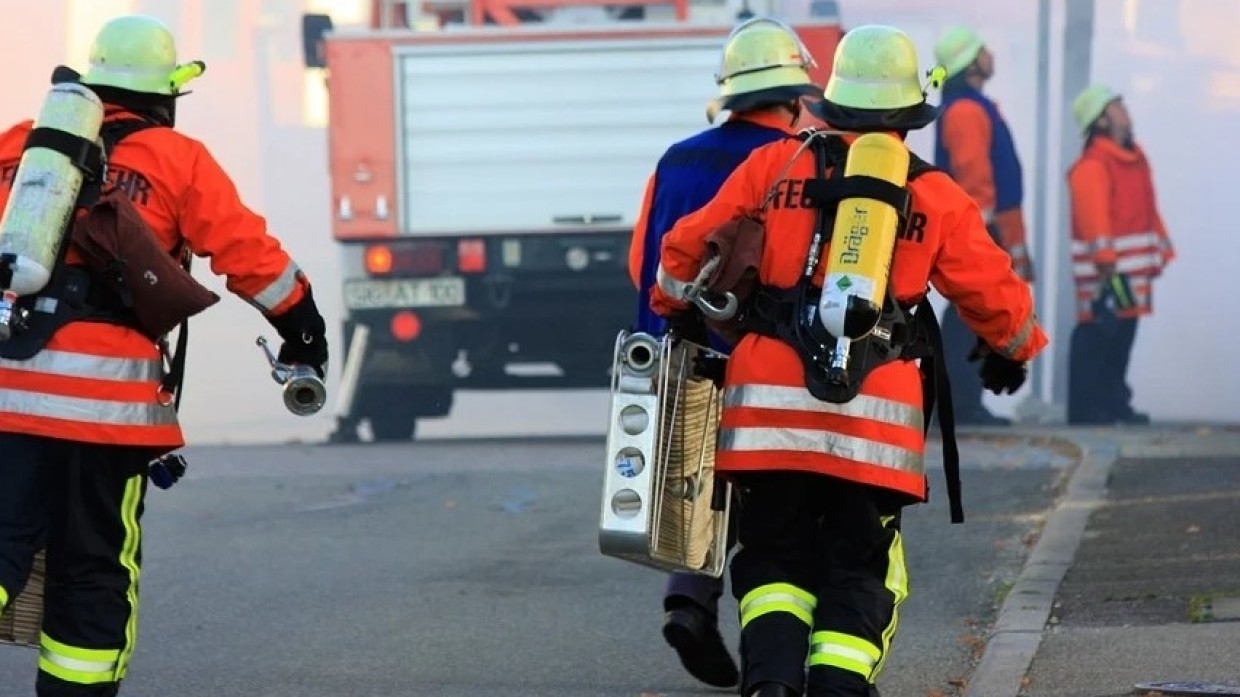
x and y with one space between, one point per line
87 399
823 426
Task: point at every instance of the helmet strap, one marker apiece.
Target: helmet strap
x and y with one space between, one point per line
796 107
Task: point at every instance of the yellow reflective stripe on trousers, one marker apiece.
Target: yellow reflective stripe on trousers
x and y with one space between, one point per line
280 289
97 666
843 651
129 560
897 583
811 440
4 599
81 666
85 365
855 654
100 411
778 597
785 398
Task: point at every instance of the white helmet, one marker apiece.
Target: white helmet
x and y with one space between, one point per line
762 61
138 53
876 84
1088 106
957 49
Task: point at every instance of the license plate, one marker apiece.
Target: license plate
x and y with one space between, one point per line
425 292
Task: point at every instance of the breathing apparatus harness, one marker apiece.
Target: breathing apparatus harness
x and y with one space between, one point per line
904 332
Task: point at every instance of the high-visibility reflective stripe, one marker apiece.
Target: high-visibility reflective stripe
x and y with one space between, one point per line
280 289
896 582
99 411
4 598
1148 261
843 651
1022 337
740 439
83 365
129 560
781 397
76 665
669 284
1126 264
1118 243
1135 240
778 597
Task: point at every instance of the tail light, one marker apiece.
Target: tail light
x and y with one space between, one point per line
420 258
378 259
471 256
406 326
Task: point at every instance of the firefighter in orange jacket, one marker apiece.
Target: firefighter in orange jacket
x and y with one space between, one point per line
974 145
822 480
81 420
1119 246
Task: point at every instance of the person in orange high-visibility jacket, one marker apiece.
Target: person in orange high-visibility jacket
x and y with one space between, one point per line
975 146
1119 246
763 75
820 569
81 419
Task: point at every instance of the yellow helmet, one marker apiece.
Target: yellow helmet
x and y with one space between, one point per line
762 61
138 53
1090 104
875 82
957 49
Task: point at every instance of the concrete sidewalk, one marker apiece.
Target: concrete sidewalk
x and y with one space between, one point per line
1135 578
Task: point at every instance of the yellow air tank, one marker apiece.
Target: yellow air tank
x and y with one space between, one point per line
43 198
862 241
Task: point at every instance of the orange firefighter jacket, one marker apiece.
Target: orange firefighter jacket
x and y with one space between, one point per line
770 420
98 383
1115 225
970 131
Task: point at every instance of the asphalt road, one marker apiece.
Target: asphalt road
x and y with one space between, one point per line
456 569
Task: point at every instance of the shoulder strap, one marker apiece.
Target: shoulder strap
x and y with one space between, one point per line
918 166
111 133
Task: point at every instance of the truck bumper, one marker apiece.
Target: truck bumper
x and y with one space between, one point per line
508 324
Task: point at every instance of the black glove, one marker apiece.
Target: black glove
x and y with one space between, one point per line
710 366
999 373
305 335
690 326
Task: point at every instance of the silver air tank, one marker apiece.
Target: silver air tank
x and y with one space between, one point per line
43 199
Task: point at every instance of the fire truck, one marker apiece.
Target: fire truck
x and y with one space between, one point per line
487 161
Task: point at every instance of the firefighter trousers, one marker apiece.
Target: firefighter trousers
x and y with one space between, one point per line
83 503
1098 356
819 578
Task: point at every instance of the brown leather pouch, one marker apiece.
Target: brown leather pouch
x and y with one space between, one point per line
738 243
116 244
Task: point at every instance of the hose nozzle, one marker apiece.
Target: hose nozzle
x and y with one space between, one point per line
304 392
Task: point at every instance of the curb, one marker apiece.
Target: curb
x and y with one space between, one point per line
1017 632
